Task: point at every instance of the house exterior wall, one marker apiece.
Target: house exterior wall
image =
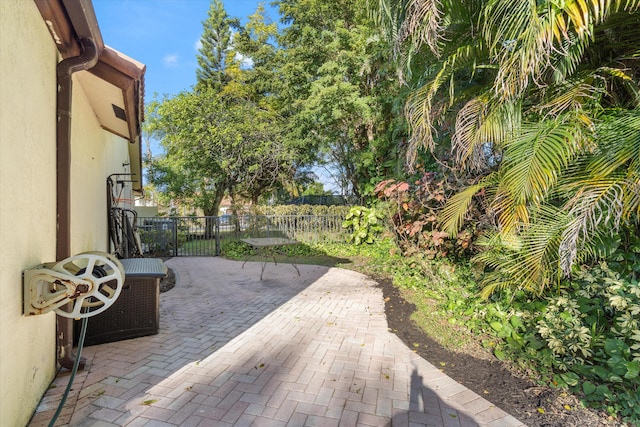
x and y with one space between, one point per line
28 58
27 203
95 154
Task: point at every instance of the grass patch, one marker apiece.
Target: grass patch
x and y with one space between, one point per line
442 327
302 253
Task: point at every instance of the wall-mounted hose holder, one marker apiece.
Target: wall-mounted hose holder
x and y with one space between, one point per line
90 281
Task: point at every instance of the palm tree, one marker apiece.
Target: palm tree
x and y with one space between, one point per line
542 99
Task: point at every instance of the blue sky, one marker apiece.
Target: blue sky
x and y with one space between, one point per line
163 35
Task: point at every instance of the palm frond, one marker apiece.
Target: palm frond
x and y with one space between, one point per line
597 204
619 144
423 24
504 20
419 107
521 39
527 40
536 156
481 126
570 96
507 212
565 62
530 265
453 214
583 14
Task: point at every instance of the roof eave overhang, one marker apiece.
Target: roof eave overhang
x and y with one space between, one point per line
70 20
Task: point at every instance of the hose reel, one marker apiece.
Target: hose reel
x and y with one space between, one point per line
90 281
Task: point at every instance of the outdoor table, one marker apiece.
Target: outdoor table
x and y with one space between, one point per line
260 245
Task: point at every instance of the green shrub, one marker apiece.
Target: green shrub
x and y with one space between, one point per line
301 210
413 208
593 329
364 224
585 337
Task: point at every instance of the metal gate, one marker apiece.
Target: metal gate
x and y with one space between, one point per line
179 236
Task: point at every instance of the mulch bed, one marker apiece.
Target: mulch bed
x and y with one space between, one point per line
490 378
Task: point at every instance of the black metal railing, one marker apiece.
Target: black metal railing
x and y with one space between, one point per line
203 236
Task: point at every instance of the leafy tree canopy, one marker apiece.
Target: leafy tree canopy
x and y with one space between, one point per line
216 145
526 99
339 89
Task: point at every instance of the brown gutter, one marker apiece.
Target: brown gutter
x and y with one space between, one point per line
74 29
65 69
87 59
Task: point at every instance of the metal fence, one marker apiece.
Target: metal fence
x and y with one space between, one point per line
203 236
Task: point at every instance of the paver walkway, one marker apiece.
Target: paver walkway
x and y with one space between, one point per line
308 350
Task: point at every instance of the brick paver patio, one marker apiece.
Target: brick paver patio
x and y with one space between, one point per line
308 350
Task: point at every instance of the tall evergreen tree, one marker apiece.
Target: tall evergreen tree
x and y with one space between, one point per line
256 43
339 89
215 53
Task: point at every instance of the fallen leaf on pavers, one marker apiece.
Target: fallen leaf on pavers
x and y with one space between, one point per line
149 402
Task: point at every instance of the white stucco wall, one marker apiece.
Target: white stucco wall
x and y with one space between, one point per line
95 154
27 203
28 58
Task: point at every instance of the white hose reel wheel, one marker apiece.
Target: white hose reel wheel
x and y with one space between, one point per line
106 275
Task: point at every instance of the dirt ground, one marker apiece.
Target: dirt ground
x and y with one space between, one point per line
481 372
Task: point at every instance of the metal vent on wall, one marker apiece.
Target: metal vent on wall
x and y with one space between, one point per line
119 112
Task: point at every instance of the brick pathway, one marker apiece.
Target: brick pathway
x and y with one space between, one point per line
308 350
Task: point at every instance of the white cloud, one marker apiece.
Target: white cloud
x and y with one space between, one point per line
170 60
198 45
245 61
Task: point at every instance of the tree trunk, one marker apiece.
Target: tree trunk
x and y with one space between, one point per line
211 214
234 212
